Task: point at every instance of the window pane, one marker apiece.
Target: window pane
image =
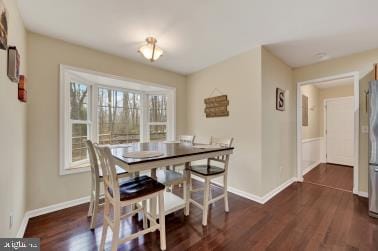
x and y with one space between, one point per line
118 116
79 136
158 132
158 108
79 101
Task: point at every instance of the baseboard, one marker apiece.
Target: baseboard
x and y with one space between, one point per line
259 199
309 168
363 194
46 210
277 190
22 228
240 193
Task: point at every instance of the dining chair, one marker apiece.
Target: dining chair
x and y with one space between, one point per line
185 139
133 191
208 172
96 179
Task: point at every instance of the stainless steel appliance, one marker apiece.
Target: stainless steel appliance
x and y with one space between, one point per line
373 148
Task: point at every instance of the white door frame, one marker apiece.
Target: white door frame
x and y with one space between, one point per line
355 76
325 119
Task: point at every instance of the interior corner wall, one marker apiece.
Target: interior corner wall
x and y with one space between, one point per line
239 78
359 62
45 186
278 127
12 131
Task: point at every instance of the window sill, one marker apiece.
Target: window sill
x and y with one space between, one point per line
78 169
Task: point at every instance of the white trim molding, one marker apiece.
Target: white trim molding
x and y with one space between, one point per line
87 78
363 194
256 198
311 153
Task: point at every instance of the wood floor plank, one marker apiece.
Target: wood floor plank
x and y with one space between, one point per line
302 217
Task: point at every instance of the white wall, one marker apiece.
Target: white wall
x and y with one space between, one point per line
312 153
12 131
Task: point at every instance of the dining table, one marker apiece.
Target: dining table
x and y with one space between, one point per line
169 153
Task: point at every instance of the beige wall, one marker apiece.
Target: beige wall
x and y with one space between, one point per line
313 129
362 63
45 186
333 92
240 78
264 138
278 127
12 131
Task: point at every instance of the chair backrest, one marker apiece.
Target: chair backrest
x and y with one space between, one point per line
226 142
187 139
221 142
95 169
109 172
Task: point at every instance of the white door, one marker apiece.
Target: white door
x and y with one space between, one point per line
340 131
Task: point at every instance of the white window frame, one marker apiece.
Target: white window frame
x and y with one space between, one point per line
67 74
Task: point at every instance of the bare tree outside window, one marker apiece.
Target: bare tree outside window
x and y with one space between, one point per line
118 116
79 120
158 117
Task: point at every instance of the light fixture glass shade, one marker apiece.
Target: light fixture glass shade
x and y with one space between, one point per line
150 51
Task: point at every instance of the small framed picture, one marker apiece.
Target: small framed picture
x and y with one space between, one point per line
13 64
22 93
280 99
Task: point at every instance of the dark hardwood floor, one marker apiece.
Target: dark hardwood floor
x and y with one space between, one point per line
335 176
302 217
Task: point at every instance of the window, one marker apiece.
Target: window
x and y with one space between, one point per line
118 116
157 112
109 111
79 121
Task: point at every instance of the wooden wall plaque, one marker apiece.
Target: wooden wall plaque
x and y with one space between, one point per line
216 106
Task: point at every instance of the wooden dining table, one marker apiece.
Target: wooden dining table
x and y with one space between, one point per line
172 153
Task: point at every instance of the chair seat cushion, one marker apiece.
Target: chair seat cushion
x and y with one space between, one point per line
206 170
119 170
169 177
139 187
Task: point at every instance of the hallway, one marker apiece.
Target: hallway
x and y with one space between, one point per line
330 175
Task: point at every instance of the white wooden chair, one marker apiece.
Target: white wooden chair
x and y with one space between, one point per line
188 139
209 172
173 177
96 179
126 194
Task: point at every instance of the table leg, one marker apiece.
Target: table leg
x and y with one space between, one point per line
186 188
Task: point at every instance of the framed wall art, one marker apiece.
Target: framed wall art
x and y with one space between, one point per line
22 93
280 99
13 64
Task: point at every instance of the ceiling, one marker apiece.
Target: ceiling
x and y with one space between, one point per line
197 33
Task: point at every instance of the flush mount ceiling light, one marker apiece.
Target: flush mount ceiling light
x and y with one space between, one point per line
150 50
321 56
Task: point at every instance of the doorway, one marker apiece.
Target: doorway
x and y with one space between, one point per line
327 131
